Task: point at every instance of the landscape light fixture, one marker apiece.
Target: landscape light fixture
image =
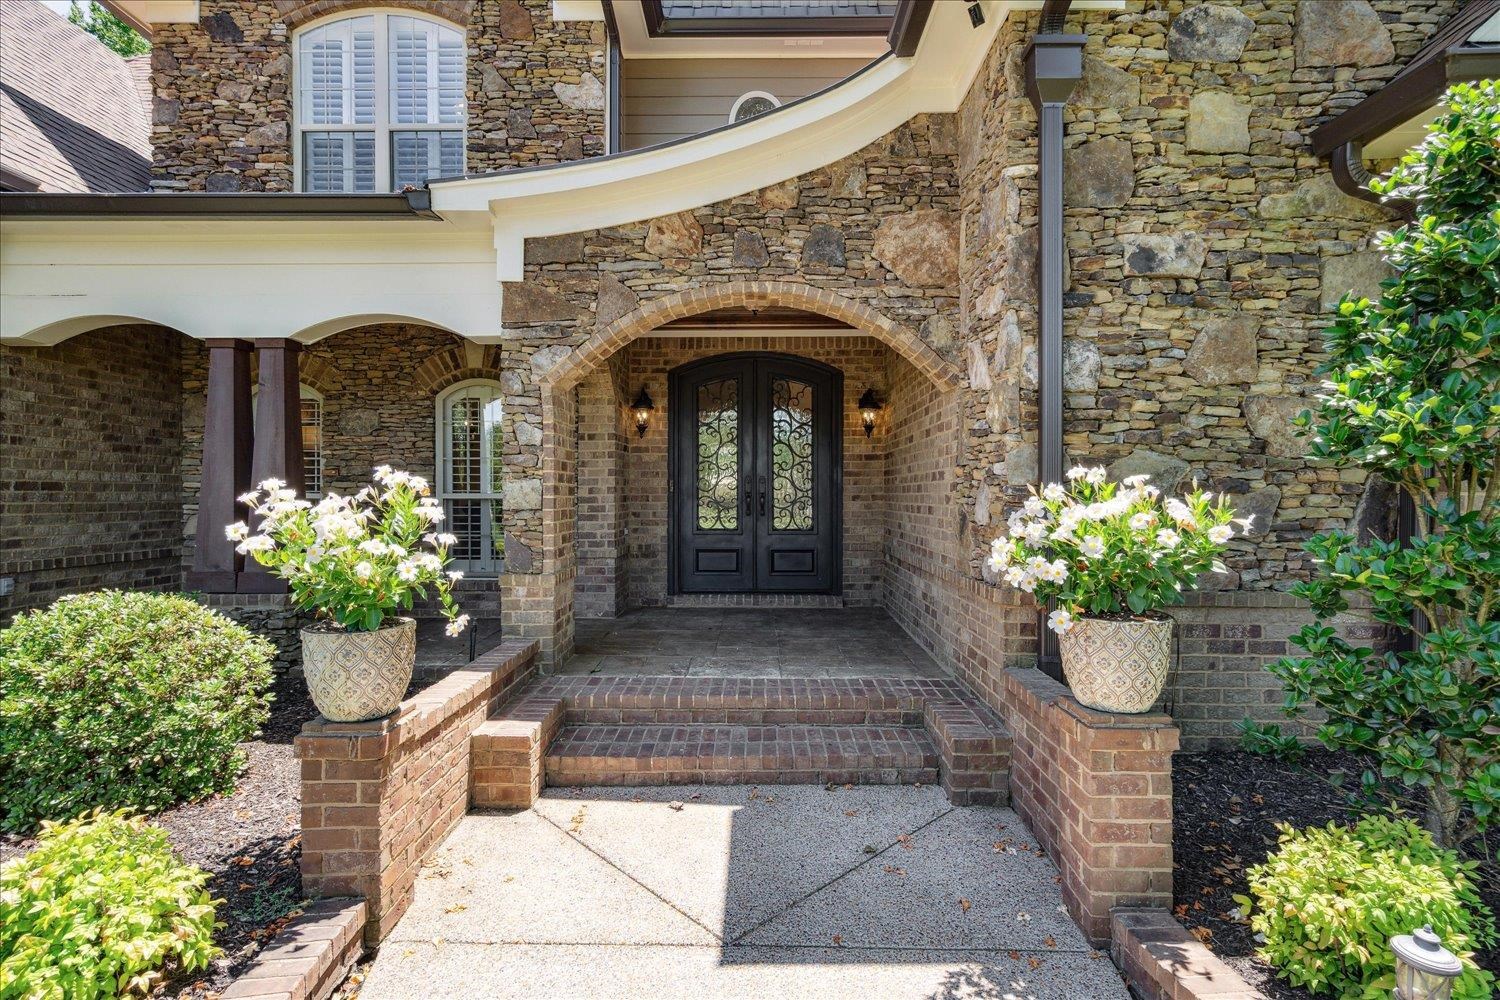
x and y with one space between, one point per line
1425 970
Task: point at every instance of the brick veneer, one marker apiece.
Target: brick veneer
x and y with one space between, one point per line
309 957
1162 961
1096 790
378 796
90 448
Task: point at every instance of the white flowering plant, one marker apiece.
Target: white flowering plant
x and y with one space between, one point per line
1105 549
355 560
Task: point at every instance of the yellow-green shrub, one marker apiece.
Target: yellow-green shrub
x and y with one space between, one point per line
101 908
1329 900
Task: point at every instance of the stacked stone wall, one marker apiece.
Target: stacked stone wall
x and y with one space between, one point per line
223 88
90 451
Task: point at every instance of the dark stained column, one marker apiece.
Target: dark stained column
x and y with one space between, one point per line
278 439
1054 64
225 472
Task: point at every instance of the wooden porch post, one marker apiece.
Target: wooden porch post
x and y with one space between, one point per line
278 438
226 466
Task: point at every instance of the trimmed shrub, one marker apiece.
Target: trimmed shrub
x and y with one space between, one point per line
101 908
1330 899
116 699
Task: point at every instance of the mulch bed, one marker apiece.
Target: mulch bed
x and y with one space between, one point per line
1226 804
250 844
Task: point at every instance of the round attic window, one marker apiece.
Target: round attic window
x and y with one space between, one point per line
757 102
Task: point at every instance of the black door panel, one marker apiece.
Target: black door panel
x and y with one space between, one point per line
756 475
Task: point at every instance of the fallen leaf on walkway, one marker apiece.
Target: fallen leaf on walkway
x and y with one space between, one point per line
893 870
904 840
455 908
675 806
838 939
1202 934
1050 941
1035 963
851 812
1014 956
963 904
1023 917
870 849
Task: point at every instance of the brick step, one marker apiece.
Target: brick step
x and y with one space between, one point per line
513 757
734 754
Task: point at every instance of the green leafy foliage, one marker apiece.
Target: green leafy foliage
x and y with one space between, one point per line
1330 899
108 28
1268 740
1412 394
115 699
100 908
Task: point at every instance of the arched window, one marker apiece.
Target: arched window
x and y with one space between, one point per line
756 102
470 473
312 438
380 103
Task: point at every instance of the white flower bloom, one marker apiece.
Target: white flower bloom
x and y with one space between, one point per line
1028 582
364 570
995 565
237 532
408 571
1142 521
1054 492
256 543
447 538
455 575
431 513
457 625
1014 574
999 554
1060 621
1220 533
419 484
1093 547
1096 475
272 485
1167 538
1077 472
1035 564
250 499
1034 507
1055 572
373 546
1035 532
1016 522
1245 523
1179 512
1135 482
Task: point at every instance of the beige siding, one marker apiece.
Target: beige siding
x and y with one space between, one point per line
664 99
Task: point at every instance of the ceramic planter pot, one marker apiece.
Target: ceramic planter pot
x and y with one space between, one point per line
1117 666
354 676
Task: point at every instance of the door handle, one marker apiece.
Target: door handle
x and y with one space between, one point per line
762 503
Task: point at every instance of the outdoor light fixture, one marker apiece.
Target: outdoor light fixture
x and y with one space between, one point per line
976 14
868 407
1425 970
642 407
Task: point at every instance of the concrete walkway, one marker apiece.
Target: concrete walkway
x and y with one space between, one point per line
869 892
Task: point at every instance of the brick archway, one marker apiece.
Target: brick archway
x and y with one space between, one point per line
788 294
296 13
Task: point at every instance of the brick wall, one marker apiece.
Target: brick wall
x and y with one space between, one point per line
378 796
1095 789
90 449
223 88
603 494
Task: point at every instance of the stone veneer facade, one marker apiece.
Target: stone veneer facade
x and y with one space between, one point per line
223 88
1205 244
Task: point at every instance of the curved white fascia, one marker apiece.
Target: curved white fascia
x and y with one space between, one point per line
593 194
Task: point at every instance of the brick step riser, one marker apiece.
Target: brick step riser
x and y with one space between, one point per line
743 717
564 778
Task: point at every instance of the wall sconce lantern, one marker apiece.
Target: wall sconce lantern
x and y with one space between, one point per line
1425 970
868 407
642 407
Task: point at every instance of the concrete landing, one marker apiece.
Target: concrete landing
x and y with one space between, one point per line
708 892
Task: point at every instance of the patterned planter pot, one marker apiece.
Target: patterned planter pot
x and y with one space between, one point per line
1117 666
354 676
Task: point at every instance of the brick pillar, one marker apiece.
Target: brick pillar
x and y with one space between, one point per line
226 467
278 437
600 592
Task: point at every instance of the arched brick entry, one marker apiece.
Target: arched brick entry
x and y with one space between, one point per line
295 13
788 294
537 601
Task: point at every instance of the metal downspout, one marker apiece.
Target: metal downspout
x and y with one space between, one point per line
1054 64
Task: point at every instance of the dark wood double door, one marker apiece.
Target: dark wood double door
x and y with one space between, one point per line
756 475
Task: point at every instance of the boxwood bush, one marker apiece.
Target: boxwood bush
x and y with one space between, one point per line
101 908
1330 899
116 699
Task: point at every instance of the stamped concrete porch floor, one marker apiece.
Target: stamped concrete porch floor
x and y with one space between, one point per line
734 893
749 642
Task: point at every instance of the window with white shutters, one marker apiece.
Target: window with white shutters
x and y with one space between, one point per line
470 473
379 104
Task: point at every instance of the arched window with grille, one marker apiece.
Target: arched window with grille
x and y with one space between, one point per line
380 102
470 473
